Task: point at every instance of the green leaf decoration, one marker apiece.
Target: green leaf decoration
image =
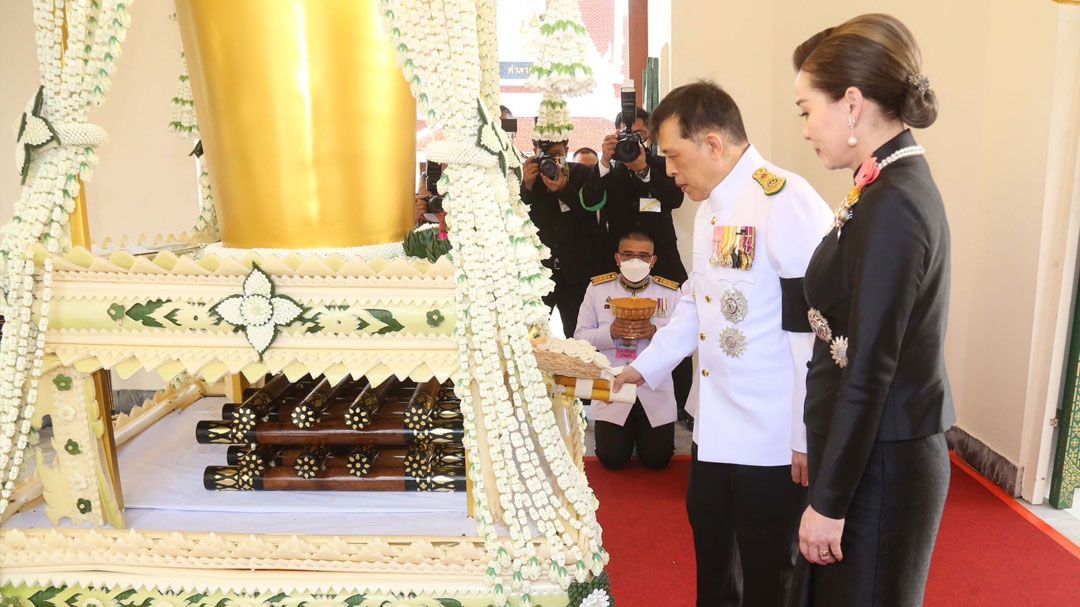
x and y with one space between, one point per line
171 317
449 603
426 244
354 600
141 313
196 598
83 506
44 597
385 317
72 447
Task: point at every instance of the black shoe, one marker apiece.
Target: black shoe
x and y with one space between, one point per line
687 419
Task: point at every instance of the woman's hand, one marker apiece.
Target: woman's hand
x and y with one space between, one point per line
819 538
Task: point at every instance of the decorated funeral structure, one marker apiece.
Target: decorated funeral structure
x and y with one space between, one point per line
351 414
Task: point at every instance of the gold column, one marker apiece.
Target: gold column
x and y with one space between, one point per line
307 123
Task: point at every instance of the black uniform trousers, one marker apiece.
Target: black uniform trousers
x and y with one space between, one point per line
889 531
745 521
615 444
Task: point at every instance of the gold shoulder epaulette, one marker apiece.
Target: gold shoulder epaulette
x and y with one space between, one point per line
769 182
601 279
664 282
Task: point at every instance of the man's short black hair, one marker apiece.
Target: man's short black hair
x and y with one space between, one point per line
505 110
641 115
638 236
699 107
586 151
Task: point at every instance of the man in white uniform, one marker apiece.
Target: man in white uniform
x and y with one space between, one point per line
649 424
754 233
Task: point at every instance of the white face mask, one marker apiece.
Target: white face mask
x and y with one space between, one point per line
634 270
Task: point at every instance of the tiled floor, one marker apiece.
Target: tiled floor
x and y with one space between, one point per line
1066 522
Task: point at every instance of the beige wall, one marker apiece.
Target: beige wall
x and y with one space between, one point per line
993 67
145 182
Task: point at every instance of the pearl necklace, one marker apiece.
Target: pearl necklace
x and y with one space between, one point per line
866 175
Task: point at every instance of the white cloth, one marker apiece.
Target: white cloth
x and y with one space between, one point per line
750 406
594 326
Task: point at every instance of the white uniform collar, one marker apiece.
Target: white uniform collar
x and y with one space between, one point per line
723 194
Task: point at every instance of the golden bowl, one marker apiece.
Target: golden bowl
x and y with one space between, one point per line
633 308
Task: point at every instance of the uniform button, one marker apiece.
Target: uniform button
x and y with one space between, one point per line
704 372
713 221
702 336
708 299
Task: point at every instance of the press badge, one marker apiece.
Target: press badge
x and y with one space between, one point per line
648 205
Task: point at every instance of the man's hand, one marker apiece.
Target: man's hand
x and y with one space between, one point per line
639 163
557 185
420 207
620 328
531 170
800 470
607 149
629 375
632 329
819 538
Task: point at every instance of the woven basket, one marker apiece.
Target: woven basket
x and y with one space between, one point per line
633 308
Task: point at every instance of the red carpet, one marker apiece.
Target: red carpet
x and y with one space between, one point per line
988 553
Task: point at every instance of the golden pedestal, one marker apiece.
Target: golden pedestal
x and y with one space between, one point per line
307 123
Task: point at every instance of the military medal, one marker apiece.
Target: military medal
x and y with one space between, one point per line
733 306
732 342
733 247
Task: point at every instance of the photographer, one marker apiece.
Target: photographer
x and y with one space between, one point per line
640 195
552 190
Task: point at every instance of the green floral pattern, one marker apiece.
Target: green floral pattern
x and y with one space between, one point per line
72 447
62 383
84 506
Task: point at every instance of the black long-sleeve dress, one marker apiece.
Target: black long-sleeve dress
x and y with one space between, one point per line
876 413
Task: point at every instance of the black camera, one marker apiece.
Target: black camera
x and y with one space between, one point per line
629 145
432 176
550 166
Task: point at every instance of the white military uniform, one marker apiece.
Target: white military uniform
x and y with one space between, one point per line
594 326
752 379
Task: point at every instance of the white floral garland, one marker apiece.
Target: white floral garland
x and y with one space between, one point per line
553 122
95 30
185 123
561 64
444 47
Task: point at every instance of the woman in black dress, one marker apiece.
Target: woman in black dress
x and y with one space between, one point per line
878 400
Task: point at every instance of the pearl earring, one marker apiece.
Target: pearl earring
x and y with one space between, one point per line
852 141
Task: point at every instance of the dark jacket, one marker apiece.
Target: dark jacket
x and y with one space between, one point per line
884 285
622 213
571 232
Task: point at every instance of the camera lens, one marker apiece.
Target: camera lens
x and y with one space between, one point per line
628 148
434 204
549 167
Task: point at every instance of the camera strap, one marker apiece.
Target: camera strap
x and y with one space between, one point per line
594 208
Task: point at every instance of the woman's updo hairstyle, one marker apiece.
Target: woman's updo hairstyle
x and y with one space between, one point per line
876 54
